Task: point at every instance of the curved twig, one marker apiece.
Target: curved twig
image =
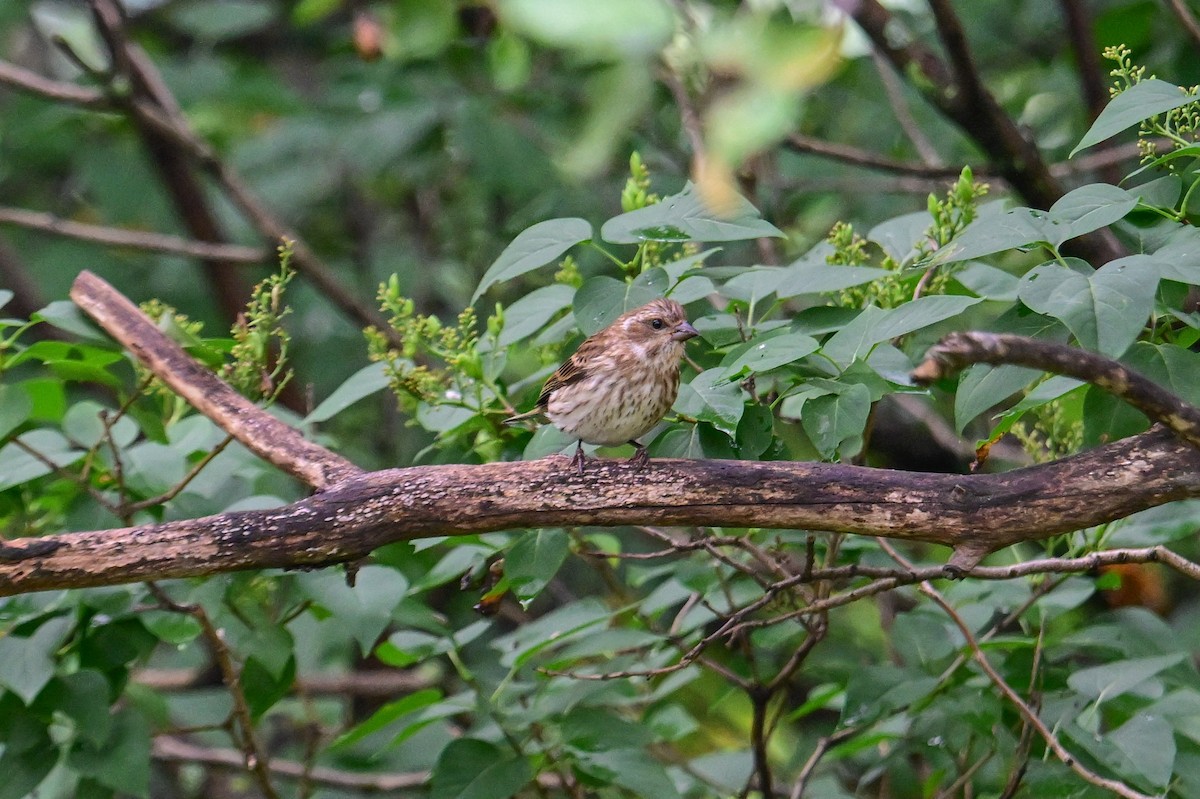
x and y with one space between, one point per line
958 350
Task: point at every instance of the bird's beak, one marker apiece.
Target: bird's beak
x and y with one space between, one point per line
684 331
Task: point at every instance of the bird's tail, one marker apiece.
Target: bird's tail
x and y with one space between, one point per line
535 414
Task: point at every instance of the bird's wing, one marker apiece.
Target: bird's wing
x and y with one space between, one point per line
572 370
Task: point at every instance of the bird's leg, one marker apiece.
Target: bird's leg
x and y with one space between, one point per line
577 461
641 457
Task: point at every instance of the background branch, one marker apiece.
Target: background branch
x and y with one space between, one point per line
137 239
959 93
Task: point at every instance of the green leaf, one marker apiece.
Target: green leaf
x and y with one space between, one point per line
26 760
632 769
875 325
755 432
388 715
982 386
677 269
229 19
817 277
1105 682
407 647
629 27
1130 107
534 247
82 423
27 664
170 627
988 282
713 398
762 355
1105 310
754 284
1179 257
835 422
263 687
362 611
684 217
529 314
84 698
898 236
363 383
123 762
1148 743
1080 211
1163 192
16 406
681 441
996 232
472 769
65 315
555 628
1090 208
602 299
1155 526
534 560
306 12
876 691
591 729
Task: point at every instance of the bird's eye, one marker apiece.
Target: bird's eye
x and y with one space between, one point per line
657 324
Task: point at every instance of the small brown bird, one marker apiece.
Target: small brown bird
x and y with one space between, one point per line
620 382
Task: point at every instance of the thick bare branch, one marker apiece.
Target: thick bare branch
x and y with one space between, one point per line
359 512
352 518
257 430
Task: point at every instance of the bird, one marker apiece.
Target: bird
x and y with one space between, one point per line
620 381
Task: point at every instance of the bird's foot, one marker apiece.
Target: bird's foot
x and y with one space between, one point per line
578 460
640 458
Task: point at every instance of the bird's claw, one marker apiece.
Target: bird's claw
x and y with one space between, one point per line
578 459
640 458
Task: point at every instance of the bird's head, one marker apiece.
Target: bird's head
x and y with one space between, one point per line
659 322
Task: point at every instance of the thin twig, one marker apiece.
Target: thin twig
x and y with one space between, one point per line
173 492
66 473
1082 36
688 118
58 91
254 758
823 746
857 156
1028 713
959 350
894 92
